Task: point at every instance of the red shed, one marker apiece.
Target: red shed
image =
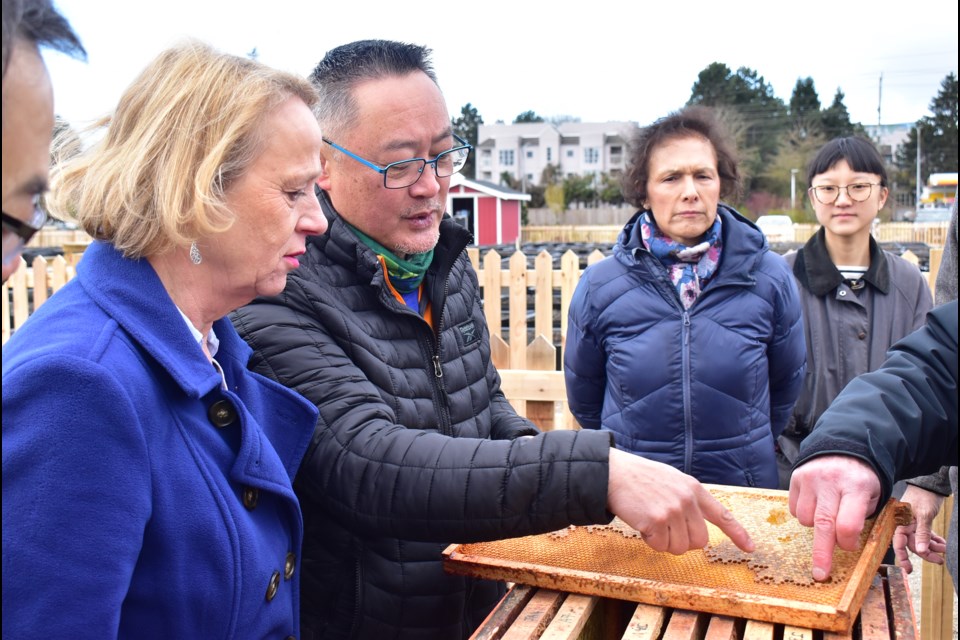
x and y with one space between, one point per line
491 212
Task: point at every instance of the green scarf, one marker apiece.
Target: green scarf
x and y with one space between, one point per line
405 275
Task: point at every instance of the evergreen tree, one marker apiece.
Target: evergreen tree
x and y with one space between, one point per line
805 108
467 127
527 116
938 137
762 114
835 119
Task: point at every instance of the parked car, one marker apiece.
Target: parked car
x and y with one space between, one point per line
777 228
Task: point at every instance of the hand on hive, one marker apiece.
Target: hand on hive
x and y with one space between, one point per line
667 506
918 536
834 494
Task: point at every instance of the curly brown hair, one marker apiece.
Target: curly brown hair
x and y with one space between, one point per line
696 121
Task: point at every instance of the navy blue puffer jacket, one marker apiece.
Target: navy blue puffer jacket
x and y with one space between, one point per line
706 389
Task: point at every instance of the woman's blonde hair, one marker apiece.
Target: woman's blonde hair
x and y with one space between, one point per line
186 128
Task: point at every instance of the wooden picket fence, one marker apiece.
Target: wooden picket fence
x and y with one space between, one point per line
931 233
31 285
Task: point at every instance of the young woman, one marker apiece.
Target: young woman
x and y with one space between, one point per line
857 299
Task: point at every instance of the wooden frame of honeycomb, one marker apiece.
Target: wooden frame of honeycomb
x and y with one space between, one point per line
773 584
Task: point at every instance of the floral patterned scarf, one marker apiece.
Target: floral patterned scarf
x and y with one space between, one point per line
690 268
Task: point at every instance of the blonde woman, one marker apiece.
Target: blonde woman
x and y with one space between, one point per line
146 473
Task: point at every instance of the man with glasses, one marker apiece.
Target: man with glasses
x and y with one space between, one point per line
857 299
416 447
27 117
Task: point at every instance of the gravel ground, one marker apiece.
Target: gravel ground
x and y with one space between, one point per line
914 579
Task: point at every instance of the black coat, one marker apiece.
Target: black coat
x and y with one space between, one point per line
901 418
405 461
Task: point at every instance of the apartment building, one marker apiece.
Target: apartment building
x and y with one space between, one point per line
575 148
889 138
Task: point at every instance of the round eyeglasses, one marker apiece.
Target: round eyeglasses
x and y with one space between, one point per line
406 173
858 192
17 233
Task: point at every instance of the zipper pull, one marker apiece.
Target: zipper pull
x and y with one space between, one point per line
436 367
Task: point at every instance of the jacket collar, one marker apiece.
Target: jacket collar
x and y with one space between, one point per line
743 245
342 246
131 293
816 272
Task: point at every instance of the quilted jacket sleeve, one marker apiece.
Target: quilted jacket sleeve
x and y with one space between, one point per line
902 417
378 477
583 361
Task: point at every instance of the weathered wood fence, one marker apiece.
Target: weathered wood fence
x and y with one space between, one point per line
537 299
931 233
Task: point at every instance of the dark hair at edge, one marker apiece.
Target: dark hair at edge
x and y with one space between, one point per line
696 121
39 22
346 66
861 154
369 59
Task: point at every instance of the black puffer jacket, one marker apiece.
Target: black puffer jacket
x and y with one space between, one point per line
406 460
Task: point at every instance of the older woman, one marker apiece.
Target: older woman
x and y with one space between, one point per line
687 342
146 473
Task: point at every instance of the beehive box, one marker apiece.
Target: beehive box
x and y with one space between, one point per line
772 584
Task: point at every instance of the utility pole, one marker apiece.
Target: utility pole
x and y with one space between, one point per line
793 189
879 99
917 208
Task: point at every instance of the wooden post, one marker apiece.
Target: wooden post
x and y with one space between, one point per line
518 311
490 280
21 308
936 587
40 283
543 297
541 356
936 257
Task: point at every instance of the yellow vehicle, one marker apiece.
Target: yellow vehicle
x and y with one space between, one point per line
940 191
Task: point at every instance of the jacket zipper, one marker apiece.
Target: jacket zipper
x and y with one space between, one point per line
445 424
687 412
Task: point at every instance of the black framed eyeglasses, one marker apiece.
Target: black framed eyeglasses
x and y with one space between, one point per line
17 233
858 192
405 173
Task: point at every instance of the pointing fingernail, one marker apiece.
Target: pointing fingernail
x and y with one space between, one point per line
819 574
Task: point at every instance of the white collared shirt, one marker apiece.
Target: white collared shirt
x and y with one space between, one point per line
213 344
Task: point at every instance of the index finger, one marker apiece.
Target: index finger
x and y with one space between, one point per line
838 520
719 515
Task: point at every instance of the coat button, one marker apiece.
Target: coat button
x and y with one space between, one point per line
862 335
273 586
250 497
842 293
289 566
222 413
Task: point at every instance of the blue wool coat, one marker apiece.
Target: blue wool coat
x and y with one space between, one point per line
706 389
140 499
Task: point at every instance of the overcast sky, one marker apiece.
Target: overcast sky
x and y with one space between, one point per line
597 60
